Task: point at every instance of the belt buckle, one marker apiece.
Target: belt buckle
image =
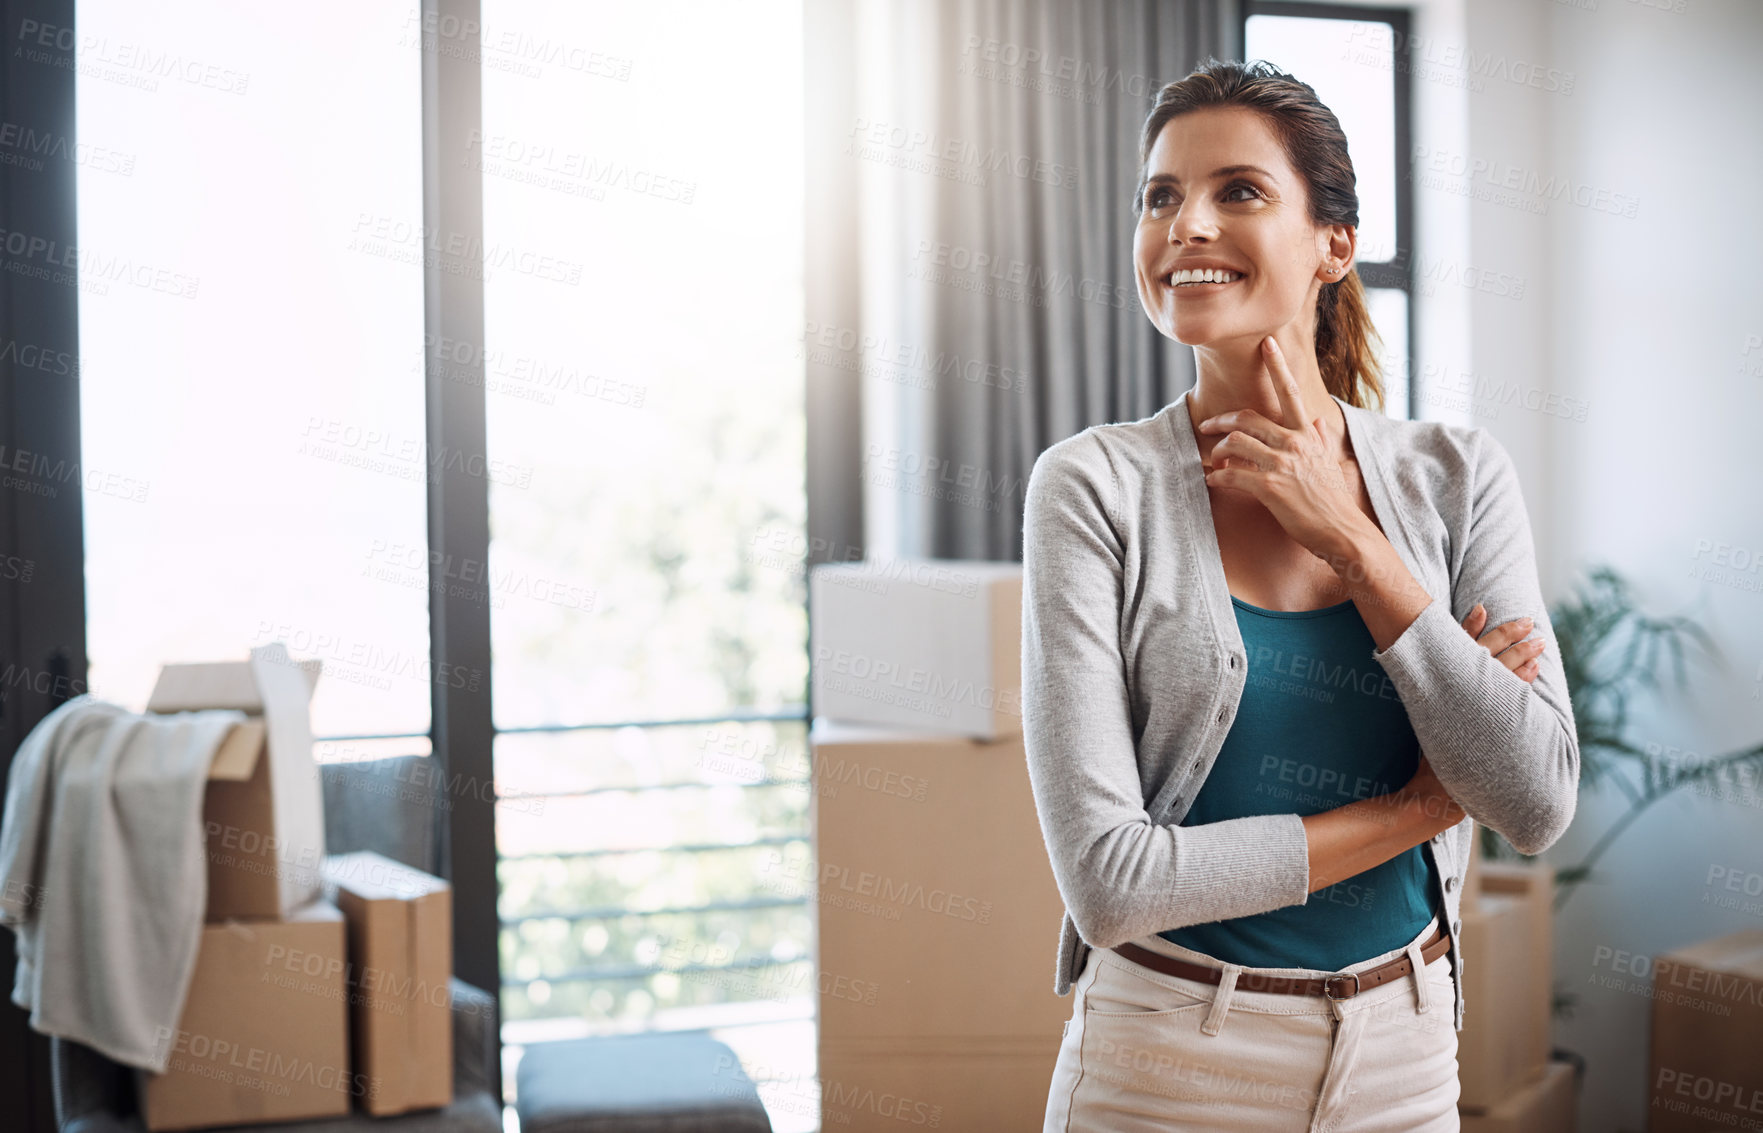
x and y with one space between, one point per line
1328 985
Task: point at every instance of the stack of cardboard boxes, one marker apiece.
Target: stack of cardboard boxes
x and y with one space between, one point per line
1508 1082
935 907
265 1029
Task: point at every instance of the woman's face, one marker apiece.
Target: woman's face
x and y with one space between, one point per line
1201 209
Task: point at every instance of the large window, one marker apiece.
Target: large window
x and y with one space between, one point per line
254 379
642 178
250 334
1348 56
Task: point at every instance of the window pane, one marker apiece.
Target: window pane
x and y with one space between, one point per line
1349 64
643 185
251 329
1389 313
643 301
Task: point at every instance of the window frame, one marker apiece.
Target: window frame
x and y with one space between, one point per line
42 622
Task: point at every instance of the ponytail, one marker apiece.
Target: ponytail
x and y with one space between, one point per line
1344 334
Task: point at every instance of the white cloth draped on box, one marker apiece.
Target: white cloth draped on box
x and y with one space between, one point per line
102 873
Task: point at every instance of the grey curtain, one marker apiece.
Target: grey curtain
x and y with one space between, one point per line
971 294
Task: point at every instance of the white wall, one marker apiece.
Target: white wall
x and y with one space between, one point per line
1671 458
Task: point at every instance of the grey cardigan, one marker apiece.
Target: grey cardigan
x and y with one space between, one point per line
1132 667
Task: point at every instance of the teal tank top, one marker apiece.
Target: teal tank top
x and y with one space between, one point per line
1320 726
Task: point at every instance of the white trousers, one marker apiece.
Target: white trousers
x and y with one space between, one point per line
1148 1051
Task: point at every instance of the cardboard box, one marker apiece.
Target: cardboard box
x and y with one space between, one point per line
400 961
1533 882
1704 1071
1547 1105
928 853
976 1085
1508 971
933 644
264 1034
263 813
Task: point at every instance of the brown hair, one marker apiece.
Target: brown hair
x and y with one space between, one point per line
1317 148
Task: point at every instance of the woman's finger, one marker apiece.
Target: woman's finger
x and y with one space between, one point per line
1244 421
1285 386
1501 636
1242 479
1533 648
1521 658
1246 448
1524 655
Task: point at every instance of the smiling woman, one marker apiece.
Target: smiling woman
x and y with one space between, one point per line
1260 201
1262 869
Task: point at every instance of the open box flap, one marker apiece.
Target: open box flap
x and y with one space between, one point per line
194 686
231 684
236 758
275 692
285 687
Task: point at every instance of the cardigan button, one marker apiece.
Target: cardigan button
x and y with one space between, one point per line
1450 883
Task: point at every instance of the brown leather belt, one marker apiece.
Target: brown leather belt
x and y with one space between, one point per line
1343 985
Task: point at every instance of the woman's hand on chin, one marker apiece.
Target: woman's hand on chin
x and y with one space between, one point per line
1289 469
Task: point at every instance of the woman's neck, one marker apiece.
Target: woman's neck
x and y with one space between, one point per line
1235 378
